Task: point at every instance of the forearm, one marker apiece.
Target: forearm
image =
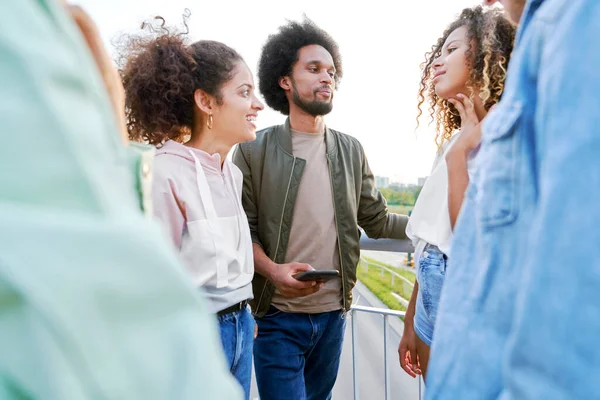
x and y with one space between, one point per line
262 263
396 226
388 226
458 180
410 309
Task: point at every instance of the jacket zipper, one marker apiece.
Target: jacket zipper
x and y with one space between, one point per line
287 192
338 235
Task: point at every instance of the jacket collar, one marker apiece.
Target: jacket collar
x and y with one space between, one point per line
284 138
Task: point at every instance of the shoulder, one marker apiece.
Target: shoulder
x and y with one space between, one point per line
347 142
267 132
262 136
166 163
168 170
255 148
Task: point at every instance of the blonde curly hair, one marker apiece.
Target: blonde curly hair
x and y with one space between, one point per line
491 37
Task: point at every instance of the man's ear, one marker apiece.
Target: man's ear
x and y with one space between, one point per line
285 83
204 101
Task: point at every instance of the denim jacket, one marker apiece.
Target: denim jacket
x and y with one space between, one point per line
520 310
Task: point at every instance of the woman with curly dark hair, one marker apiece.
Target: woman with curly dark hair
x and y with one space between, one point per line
195 102
463 78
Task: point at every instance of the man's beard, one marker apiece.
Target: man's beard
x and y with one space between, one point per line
315 108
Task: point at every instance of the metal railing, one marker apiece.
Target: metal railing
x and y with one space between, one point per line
394 245
386 313
390 245
407 287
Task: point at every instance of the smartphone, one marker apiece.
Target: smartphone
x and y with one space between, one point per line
317 275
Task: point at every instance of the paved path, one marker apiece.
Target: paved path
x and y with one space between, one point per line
369 343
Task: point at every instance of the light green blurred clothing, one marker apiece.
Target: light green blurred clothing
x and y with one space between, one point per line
93 302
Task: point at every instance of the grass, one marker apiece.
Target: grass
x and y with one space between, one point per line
406 274
380 290
382 286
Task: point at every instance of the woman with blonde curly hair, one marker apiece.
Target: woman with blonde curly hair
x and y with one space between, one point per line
463 77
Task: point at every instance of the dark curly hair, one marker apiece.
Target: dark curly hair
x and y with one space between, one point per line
280 53
160 74
491 37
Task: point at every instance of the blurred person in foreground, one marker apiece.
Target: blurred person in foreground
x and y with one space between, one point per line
93 304
519 316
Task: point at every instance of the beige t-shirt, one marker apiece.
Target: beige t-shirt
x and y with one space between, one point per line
313 237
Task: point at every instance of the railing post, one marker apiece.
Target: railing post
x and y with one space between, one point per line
385 313
354 373
382 272
392 280
386 371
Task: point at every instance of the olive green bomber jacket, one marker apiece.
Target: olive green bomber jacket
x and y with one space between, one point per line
271 178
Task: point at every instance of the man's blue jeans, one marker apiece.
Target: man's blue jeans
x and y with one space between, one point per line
296 356
237 336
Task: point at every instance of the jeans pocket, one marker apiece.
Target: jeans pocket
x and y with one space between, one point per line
228 329
498 164
432 268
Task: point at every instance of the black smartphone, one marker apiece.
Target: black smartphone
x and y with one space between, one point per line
321 275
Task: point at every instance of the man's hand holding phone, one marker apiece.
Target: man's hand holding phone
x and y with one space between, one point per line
290 287
318 276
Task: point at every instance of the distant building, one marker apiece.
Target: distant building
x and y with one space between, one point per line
421 181
382 182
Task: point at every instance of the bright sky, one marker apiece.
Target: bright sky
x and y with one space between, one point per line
382 44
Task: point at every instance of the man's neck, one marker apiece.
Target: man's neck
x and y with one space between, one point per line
303 122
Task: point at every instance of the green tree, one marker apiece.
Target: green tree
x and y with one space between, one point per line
407 198
388 194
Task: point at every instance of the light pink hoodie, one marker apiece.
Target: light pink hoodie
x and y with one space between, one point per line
178 206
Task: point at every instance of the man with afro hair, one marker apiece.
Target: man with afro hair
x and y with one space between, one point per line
307 188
